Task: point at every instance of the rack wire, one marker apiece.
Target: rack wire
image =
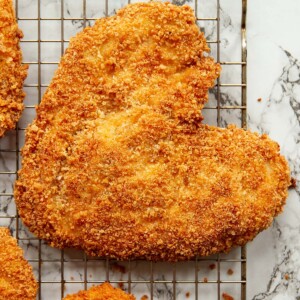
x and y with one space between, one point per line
60 272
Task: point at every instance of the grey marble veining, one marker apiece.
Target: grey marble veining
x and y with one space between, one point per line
280 118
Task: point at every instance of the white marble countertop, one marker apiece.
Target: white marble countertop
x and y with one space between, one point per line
274 76
273 258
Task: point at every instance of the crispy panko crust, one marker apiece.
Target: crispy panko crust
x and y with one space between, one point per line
102 292
12 72
114 164
16 275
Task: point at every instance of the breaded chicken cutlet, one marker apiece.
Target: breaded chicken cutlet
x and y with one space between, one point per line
16 275
102 292
12 72
117 162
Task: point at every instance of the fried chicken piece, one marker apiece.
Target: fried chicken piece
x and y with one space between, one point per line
109 169
102 292
12 72
16 276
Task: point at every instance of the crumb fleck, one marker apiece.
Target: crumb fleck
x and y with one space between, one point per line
145 297
212 266
187 294
230 272
259 100
121 285
227 297
72 278
286 276
91 275
293 182
119 268
205 280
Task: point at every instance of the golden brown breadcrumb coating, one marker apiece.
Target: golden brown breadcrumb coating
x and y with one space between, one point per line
16 275
102 292
117 162
12 72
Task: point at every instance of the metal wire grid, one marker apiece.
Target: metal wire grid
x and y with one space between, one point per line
130 281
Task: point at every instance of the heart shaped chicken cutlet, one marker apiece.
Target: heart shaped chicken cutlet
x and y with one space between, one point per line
117 162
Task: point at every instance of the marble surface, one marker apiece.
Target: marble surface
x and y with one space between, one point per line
274 76
273 258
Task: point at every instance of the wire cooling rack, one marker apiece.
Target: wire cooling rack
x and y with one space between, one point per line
61 272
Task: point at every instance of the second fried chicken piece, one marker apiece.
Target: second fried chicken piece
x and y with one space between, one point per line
12 73
16 275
